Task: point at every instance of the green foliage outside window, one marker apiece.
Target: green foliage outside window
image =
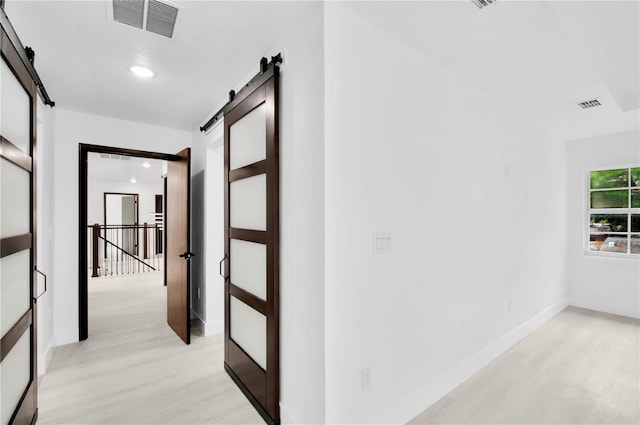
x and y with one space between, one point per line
611 178
635 177
617 190
635 199
608 222
610 199
635 223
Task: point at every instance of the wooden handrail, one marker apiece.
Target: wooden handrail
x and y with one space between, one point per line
128 226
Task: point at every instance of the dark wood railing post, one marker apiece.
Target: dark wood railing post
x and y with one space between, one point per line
145 241
96 232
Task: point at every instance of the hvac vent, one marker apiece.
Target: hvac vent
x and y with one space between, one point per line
160 17
114 156
482 3
588 104
130 12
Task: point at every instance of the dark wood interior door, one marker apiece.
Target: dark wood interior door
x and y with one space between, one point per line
252 354
18 103
178 231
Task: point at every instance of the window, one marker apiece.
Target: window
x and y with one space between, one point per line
614 211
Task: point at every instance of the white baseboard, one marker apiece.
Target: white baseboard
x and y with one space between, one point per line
420 399
199 322
207 328
605 309
215 327
286 418
45 359
66 336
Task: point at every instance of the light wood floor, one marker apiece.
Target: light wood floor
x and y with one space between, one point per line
134 369
581 367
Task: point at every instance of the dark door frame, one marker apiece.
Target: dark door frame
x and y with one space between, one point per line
84 149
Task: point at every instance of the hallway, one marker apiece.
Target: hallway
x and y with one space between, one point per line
134 369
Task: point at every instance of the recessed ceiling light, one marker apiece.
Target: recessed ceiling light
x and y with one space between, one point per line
141 71
146 164
133 180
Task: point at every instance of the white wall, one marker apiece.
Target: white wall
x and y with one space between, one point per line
611 285
147 197
205 288
208 244
72 128
301 218
45 232
473 196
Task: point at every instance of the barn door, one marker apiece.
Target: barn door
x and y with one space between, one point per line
18 376
251 262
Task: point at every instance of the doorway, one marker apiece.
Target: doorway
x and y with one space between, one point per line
176 229
123 209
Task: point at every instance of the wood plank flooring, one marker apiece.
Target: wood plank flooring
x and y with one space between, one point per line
581 367
134 370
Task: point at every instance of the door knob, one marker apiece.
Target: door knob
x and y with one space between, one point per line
187 255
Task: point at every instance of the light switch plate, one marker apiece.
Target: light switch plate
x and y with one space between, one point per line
381 242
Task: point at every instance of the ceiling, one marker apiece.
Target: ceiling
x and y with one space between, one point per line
83 57
539 57
122 169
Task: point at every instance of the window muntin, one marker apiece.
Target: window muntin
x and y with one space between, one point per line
614 211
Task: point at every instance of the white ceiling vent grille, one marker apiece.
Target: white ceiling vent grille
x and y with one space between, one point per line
161 18
588 104
482 3
151 15
130 12
114 156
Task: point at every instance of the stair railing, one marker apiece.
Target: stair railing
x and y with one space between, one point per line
115 250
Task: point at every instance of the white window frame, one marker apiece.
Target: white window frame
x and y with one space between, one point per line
628 211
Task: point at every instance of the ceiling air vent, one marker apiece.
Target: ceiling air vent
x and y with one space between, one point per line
130 12
151 15
161 18
588 104
482 3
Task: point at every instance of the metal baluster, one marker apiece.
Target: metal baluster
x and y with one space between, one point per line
110 248
118 253
114 261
